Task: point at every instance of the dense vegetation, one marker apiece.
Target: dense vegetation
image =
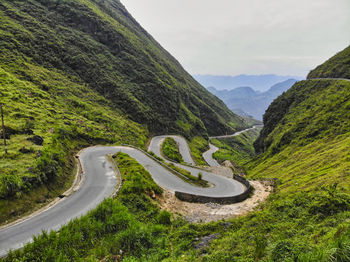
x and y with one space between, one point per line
97 43
304 145
67 117
71 70
131 227
305 219
237 149
79 73
170 149
325 112
336 67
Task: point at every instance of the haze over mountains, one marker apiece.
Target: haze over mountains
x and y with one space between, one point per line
257 82
245 101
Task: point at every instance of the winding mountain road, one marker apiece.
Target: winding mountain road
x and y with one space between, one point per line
208 155
222 186
156 143
100 182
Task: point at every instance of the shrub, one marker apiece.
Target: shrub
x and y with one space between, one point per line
10 184
164 217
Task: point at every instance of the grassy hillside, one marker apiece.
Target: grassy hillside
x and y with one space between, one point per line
309 111
304 145
98 44
336 67
80 73
67 117
238 149
305 149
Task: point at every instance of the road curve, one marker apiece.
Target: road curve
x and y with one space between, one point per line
237 133
222 186
99 183
208 155
156 144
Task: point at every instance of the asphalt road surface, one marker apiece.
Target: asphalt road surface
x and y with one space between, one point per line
222 186
208 155
99 183
156 143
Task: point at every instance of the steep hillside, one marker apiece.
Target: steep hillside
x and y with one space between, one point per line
305 149
336 67
306 218
99 44
79 73
310 110
304 152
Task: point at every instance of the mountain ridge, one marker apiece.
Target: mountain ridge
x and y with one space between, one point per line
249 101
118 59
257 82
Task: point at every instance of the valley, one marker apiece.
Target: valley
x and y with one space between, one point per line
116 153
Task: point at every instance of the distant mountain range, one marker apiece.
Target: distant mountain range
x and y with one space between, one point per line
245 101
257 82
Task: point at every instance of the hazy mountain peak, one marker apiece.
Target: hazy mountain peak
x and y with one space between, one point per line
257 82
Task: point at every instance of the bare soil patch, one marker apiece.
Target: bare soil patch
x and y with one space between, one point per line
203 213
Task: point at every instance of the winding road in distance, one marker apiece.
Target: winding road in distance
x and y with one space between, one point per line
208 155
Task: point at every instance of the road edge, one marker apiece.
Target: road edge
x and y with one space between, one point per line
77 183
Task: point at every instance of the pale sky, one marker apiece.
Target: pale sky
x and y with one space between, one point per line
231 37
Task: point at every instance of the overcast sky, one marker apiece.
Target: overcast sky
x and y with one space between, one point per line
230 37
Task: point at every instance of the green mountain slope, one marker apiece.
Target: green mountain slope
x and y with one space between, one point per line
79 73
99 44
304 145
304 150
336 67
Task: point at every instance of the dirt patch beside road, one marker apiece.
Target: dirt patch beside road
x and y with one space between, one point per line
202 213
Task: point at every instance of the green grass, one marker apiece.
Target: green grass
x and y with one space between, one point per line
309 111
98 44
307 218
80 73
170 149
94 76
69 116
335 67
198 145
132 222
238 149
194 180
311 226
